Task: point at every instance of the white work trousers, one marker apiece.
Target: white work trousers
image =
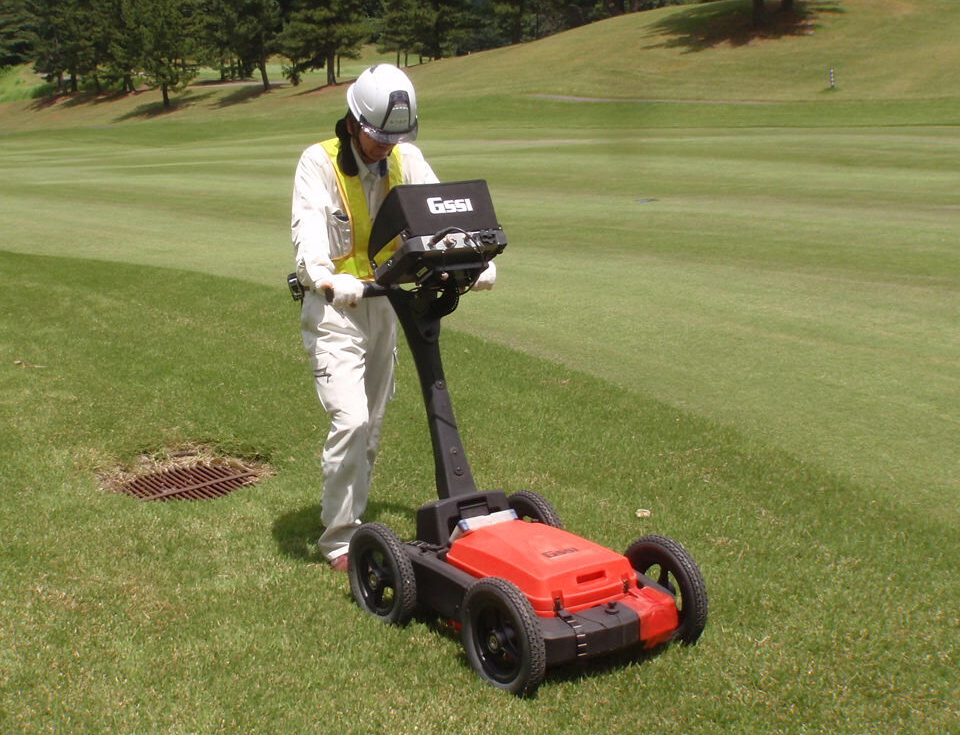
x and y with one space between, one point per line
352 352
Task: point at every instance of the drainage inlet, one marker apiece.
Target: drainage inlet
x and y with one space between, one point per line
192 482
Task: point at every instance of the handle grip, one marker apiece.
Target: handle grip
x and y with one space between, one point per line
370 289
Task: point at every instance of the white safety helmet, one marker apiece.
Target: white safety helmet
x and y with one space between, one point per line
384 103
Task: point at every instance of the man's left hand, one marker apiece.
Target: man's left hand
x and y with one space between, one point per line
487 278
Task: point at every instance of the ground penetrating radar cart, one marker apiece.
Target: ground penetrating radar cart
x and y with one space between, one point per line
525 593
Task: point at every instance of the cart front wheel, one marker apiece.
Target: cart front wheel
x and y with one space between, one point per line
669 565
381 574
502 637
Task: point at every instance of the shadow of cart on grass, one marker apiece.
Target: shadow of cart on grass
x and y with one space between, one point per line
569 673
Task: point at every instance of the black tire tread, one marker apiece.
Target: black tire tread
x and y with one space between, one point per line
655 549
526 685
529 504
405 583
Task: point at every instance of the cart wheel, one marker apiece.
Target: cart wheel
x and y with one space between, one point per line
535 507
502 637
668 564
381 574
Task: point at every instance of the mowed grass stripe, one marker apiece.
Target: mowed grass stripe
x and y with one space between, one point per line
730 242
824 367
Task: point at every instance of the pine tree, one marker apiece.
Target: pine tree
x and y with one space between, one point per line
15 33
164 30
317 32
255 33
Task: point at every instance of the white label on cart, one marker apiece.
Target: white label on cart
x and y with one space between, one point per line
472 524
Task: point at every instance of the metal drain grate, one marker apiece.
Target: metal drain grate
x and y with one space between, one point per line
196 482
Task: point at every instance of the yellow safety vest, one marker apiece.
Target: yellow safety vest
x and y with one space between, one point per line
357 261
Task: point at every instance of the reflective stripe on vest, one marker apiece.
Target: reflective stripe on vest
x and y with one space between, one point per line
357 261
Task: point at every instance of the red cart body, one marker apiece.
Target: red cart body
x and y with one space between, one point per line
559 571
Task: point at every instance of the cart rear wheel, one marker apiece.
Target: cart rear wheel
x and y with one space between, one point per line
669 565
533 506
381 574
502 637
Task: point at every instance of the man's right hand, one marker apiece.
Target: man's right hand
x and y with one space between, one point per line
347 289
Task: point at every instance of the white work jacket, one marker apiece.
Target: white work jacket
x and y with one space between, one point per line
317 213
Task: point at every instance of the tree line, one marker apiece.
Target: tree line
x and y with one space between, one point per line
104 45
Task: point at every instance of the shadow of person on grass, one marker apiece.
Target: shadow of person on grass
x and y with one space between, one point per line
296 532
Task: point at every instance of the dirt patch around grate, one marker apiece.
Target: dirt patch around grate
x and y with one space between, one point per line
194 472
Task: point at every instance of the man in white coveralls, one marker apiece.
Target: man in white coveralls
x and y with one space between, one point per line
351 342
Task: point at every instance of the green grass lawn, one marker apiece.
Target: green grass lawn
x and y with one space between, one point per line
217 617
740 317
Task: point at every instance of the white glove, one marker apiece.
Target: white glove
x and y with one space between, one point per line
347 289
487 278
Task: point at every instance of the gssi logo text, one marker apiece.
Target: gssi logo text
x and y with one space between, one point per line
448 206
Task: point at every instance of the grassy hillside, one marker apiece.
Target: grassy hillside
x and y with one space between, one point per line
883 49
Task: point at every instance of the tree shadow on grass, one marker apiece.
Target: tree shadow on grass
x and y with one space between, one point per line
47 101
75 99
240 95
706 26
150 110
242 91
322 88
